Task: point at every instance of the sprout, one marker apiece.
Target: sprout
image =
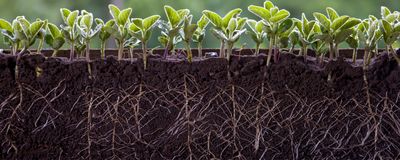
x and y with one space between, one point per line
276 22
231 36
335 29
369 34
120 32
11 33
103 34
41 36
70 30
86 31
55 39
305 32
141 30
187 33
257 33
353 43
200 33
29 31
221 24
390 28
170 29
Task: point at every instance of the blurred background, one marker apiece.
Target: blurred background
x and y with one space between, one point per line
49 9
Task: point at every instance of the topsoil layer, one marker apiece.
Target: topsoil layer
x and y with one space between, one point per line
210 108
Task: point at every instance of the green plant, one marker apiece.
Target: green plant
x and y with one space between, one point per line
70 30
221 25
29 32
305 32
119 31
187 33
171 28
11 34
369 34
335 29
86 31
276 22
353 43
390 28
41 36
199 34
104 35
55 39
141 29
257 33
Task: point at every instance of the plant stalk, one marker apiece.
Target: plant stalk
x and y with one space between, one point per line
55 53
120 50
40 46
103 50
257 49
354 55
271 43
229 52
331 51
366 56
394 54
88 50
336 50
305 52
144 49
189 51
276 50
71 53
200 49
222 49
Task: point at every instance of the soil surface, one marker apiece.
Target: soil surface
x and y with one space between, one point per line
51 108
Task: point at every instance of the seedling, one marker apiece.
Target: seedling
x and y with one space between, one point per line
29 32
257 33
221 25
86 31
335 29
141 29
369 34
187 33
41 36
170 29
70 30
353 43
11 33
54 38
199 34
120 33
276 22
305 32
390 29
104 35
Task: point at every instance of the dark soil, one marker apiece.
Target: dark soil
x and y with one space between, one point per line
211 108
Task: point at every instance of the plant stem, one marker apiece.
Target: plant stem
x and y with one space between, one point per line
88 50
71 53
257 49
229 52
354 55
336 50
276 50
166 51
271 43
222 49
40 46
305 52
189 51
331 51
54 53
200 49
366 55
394 54
120 49
144 49
103 50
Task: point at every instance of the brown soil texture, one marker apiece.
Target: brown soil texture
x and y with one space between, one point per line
210 108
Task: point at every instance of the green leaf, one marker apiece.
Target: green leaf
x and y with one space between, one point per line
114 11
149 22
352 42
99 21
343 35
203 22
214 18
54 31
339 22
87 21
227 18
351 23
268 5
183 12
285 25
58 43
240 23
252 24
124 16
189 31
386 26
232 25
322 19
110 23
332 13
35 28
137 23
396 27
5 25
260 12
391 18
72 17
259 26
65 13
385 11
280 16
172 15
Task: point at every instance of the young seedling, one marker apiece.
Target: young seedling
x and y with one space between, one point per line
120 33
390 29
170 29
234 30
141 29
131 43
187 33
103 34
276 22
54 38
369 34
305 33
86 31
11 34
335 29
41 36
257 33
199 34
70 30
29 32
221 25
353 43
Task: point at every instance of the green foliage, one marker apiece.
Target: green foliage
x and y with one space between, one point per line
27 32
119 30
369 34
256 33
187 33
104 35
54 38
200 32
